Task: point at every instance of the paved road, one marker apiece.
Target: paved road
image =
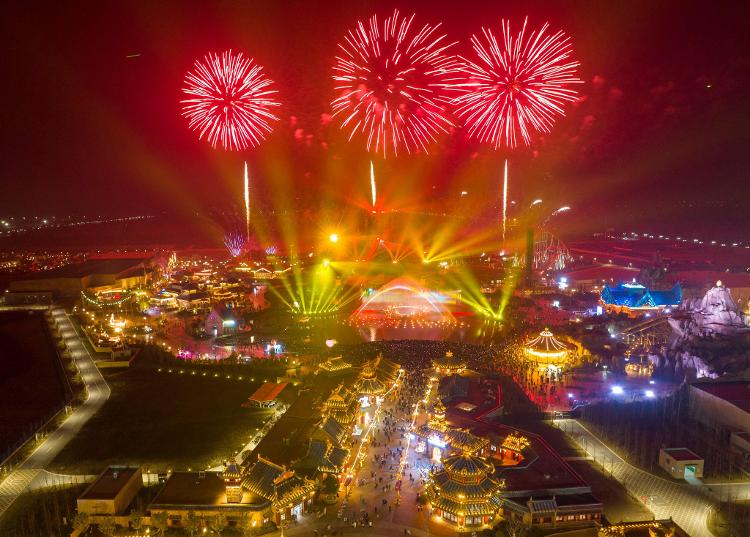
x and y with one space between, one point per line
688 505
730 492
98 392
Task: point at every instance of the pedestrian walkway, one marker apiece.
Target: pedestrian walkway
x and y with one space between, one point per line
687 505
98 391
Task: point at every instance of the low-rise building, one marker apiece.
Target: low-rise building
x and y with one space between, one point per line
111 492
634 299
681 463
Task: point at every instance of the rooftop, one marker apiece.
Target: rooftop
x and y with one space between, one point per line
268 391
87 268
109 483
734 392
682 454
198 489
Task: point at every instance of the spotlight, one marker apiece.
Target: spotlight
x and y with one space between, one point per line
617 390
333 237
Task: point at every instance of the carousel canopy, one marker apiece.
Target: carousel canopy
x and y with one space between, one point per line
547 345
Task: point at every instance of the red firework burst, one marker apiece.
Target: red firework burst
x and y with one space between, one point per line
390 82
230 100
517 85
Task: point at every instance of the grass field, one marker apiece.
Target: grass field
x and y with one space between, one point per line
31 380
163 420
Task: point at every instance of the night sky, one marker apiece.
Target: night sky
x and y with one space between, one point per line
659 139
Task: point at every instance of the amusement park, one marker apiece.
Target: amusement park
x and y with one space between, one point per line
327 269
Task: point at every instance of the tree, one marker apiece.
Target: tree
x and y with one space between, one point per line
81 522
159 521
136 520
246 525
513 527
191 523
218 523
330 485
107 525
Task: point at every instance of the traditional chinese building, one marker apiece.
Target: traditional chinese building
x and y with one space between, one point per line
369 386
449 364
464 493
335 366
289 494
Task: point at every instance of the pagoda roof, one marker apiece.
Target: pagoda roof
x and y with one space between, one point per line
386 368
343 417
335 364
467 466
289 488
371 386
261 477
516 442
477 508
232 470
464 440
334 430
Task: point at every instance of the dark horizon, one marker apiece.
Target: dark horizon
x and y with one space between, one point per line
92 120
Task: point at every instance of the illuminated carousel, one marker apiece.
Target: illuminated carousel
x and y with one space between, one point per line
464 493
547 350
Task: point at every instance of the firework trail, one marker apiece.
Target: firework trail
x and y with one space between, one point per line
505 198
373 191
247 204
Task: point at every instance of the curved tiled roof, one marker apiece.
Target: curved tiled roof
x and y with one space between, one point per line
465 441
467 466
449 486
371 386
483 508
232 471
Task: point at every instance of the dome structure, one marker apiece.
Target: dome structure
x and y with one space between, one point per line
547 347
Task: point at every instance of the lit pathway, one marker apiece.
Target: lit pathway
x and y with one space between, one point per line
98 392
358 460
279 411
685 504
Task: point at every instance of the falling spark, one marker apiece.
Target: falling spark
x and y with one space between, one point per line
247 203
373 191
505 197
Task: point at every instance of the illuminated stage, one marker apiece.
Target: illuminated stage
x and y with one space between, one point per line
402 309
